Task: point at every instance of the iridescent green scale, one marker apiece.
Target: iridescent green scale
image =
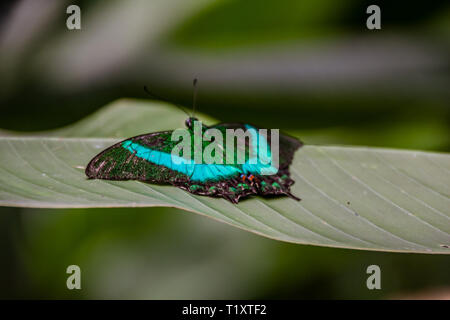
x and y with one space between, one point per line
148 158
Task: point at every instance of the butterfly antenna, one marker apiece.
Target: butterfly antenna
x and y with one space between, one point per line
194 100
151 94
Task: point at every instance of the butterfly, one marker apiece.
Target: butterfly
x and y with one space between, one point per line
149 158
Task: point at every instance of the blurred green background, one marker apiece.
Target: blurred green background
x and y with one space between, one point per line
310 68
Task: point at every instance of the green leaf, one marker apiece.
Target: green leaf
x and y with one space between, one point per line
361 198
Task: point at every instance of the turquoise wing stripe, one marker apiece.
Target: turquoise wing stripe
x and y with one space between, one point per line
197 172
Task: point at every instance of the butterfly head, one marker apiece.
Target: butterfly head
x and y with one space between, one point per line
190 122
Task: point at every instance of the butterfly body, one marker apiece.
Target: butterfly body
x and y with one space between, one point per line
149 158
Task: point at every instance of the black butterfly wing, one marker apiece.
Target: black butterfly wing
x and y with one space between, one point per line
287 145
120 163
276 184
